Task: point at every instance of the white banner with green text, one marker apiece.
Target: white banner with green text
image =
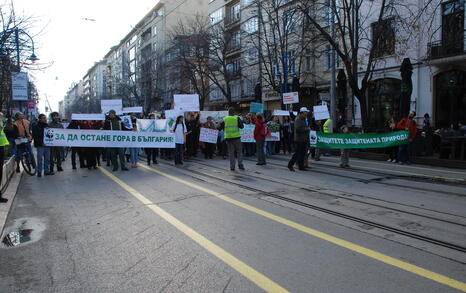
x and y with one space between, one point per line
108 138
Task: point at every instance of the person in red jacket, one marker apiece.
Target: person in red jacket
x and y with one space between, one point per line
404 151
260 132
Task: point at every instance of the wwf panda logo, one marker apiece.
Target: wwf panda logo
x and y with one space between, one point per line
49 133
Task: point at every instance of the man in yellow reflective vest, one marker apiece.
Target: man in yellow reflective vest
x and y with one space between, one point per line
231 126
3 143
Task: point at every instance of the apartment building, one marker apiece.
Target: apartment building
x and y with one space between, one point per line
428 58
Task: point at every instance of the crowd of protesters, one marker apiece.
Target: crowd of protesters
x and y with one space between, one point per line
294 139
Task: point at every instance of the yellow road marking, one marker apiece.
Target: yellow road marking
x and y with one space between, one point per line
257 278
337 241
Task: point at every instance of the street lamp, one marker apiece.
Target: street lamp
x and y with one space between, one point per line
11 42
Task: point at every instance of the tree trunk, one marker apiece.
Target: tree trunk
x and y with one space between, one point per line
361 95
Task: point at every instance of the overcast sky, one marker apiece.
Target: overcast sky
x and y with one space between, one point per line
72 43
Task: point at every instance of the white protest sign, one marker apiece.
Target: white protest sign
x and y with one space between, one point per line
151 125
171 116
99 117
108 138
321 113
290 98
217 116
186 103
281 113
208 135
247 134
107 105
131 110
127 122
273 136
19 86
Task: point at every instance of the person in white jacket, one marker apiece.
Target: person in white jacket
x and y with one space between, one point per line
180 130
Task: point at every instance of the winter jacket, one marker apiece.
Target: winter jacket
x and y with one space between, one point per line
410 125
55 124
114 124
301 131
259 129
38 133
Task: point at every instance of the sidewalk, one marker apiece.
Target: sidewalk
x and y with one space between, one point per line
9 194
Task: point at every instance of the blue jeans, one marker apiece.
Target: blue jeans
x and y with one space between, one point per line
404 152
20 149
12 147
43 159
270 147
134 152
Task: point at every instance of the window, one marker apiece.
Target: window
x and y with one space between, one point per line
216 16
132 53
383 37
252 56
216 94
146 35
234 67
235 87
308 61
235 40
251 25
248 2
235 12
290 17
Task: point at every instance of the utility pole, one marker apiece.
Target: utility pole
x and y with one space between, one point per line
333 67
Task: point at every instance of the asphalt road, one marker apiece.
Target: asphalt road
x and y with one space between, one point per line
203 228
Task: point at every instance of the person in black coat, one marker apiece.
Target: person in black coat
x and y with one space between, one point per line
74 124
43 151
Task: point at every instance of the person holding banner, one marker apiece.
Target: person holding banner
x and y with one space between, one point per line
301 138
180 130
151 153
232 125
344 153
55 152
114 123
75 124
405 150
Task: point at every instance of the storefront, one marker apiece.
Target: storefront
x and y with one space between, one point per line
450 98
383 101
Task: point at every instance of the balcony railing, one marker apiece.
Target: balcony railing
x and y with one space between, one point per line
440 49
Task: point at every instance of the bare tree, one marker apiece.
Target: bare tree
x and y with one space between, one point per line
189 51
361 32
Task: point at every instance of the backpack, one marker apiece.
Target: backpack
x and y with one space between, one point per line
265 130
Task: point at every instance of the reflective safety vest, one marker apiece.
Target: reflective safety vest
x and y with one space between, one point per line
3 139
326 126
231 127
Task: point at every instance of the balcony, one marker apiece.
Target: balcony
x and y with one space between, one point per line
439 49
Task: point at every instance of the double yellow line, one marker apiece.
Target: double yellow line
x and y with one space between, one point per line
247 271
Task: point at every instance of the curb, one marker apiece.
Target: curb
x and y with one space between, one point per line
10 194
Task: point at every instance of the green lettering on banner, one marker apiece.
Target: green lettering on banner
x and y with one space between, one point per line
133 139
360 141
139 139
61 137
